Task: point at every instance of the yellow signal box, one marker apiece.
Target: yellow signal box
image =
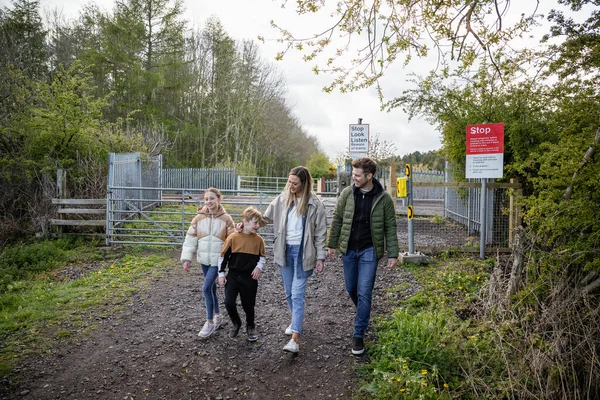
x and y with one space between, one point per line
401 190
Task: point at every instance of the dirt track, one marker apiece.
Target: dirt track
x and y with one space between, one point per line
151 349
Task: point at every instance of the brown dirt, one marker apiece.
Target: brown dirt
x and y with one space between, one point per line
150 350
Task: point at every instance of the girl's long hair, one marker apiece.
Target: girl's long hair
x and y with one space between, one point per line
307 189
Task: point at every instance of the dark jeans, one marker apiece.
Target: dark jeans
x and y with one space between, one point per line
246 287
360 268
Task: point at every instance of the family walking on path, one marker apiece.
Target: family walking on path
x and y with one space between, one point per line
362 229
148 347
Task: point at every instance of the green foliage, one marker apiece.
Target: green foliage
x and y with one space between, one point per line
23 261
431 160
319 166
23 39
462 31
433 345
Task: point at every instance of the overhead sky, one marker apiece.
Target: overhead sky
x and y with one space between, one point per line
326 116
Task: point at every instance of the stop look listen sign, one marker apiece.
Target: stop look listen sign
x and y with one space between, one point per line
485 151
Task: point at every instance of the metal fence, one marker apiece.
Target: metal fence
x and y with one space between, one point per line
427 192
145 206
276 184
167 224
128 171
454 222
199 178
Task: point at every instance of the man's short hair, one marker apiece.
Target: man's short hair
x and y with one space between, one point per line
251 213
366 164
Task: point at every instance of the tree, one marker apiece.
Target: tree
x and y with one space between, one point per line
22 54
382 33
319 166
383 152
23 39
59 125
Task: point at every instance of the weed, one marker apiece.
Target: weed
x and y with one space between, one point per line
431 348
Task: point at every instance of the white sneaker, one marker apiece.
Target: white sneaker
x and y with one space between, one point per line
217 321
288 331
292 347
207 330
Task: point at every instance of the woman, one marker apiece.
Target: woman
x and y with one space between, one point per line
205 236
300 229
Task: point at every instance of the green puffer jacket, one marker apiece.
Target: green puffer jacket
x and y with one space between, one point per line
383 223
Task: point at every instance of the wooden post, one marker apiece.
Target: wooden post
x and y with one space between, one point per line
61 183
61 192
514 220
392 185
320 185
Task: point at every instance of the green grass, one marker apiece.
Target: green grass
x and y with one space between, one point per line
26 260
433 346
41 309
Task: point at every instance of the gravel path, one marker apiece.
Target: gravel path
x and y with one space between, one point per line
150 349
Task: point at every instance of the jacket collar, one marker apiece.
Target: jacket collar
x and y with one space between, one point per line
205 211
377 188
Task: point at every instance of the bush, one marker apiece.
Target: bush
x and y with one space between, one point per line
26 260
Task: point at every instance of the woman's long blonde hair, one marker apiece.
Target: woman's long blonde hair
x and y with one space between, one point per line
307 189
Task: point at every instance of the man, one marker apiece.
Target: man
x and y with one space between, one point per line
363 227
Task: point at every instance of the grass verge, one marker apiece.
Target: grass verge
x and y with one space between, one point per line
41 309
436 345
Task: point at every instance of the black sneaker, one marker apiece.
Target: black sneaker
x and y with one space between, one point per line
233 332
251 332
358 346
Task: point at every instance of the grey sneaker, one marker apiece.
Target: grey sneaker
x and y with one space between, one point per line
358 346
292 347
206 330
251 332
288 331
233 332
218 321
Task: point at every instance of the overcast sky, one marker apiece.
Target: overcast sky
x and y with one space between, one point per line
326 116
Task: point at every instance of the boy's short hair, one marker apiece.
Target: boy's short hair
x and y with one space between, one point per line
251 213
368 165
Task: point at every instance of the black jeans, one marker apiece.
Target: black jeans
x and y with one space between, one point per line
246 287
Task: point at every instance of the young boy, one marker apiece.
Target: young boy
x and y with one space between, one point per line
244 254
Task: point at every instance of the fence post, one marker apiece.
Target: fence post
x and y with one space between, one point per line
410 212
321 185
482 218
61 191
514 220
392 186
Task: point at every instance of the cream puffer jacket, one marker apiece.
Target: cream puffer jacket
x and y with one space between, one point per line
206 236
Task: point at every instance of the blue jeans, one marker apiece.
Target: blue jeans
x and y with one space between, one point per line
294 282
209 288
360 268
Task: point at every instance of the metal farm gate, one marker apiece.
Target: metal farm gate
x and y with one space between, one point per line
145 205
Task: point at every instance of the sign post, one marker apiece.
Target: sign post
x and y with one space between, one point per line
359 139
485 159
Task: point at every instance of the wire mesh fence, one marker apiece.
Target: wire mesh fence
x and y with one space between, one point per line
142 209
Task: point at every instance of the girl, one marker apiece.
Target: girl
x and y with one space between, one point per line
206 235
300 229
